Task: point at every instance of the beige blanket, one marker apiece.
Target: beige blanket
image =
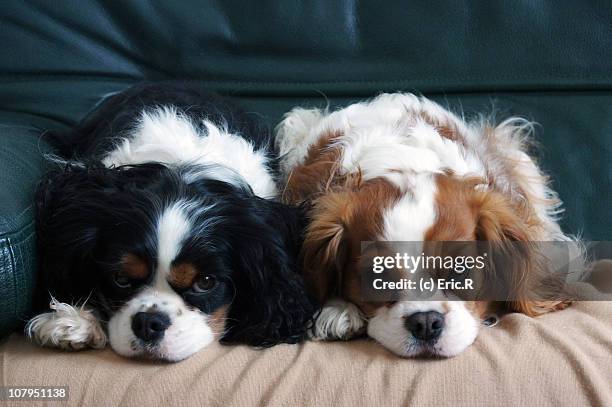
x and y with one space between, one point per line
560 359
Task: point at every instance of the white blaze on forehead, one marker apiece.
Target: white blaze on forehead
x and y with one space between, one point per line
172 229
409 218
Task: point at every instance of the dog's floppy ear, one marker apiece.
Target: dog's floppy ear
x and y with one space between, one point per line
518 264
67 233
325 248
271 303
76 207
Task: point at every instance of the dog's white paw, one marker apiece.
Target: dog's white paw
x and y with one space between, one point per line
338 320
66 327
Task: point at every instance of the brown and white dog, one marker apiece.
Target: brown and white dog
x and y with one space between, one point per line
402 168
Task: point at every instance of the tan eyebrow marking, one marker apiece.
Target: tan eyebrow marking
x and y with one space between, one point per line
183 275
133 267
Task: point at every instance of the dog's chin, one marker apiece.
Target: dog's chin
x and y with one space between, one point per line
388 328
163 351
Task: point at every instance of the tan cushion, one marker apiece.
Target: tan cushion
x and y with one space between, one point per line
564 358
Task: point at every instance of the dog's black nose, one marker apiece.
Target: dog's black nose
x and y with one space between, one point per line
150 326
425 325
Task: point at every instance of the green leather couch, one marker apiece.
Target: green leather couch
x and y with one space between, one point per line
550 61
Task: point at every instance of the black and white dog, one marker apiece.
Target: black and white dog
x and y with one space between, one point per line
160 233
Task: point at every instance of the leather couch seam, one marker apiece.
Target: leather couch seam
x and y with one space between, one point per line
10 236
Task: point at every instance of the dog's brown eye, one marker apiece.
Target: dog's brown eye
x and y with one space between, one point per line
204 284
121 281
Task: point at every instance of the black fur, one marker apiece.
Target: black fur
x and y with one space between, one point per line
89 216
